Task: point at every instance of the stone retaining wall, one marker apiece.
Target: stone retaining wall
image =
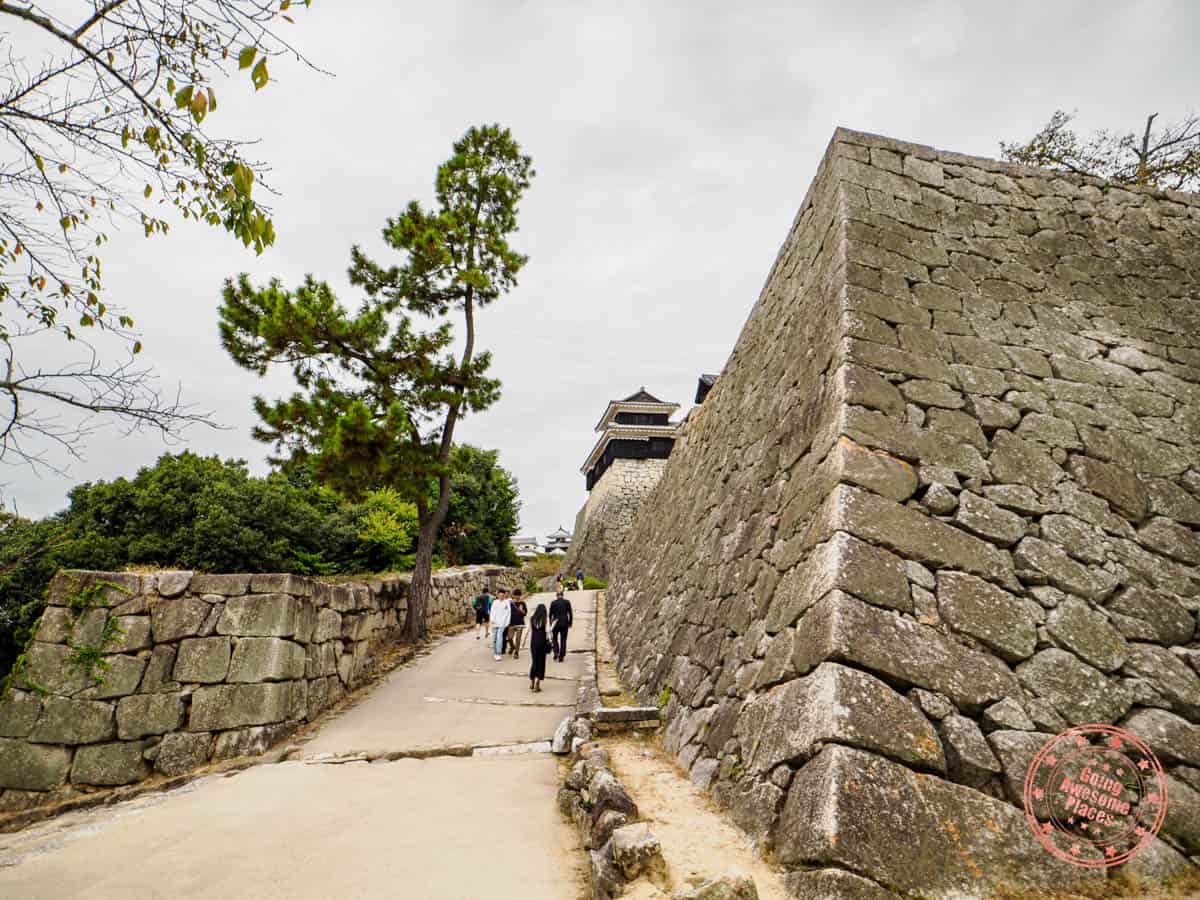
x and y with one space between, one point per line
608 514
942 503
208 667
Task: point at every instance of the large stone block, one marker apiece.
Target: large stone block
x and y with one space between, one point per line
1076 626
179 618
1080 693
147 714
1164 618
834 704
261 615
225 585
1016 750
914 535
842 629
119 676
202 660
1182 821
328 626
32 767
266 659
65 721
1118 486
322 659
1047 561
49 667
875 470
1174 740
98 588
172 584
994 617
969 759
249 741
109 765
226 706
19 712
137 634
986 519
1168 674
285 583
181 752
834 884
1014 461
55 625
158 675
846 563
912 833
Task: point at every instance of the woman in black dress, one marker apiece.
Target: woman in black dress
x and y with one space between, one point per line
539 647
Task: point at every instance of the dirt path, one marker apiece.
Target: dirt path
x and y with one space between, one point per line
446 826
698 842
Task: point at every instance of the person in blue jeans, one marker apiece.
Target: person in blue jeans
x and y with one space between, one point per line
499 617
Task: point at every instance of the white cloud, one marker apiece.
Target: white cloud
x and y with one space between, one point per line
674 143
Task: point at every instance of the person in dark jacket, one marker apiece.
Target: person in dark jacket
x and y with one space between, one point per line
516 626
483 606
539 647
562 617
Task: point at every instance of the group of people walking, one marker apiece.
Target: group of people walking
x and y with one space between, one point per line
503 616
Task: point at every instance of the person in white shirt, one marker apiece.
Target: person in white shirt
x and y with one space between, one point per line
499 618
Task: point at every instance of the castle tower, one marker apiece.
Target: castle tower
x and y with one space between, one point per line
636 437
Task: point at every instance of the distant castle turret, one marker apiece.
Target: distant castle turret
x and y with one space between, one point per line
636 437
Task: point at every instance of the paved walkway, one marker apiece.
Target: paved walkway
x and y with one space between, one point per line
443 827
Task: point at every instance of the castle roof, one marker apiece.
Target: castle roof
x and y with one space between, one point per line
640 401
618 432
641 395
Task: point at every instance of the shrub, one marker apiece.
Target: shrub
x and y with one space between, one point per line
542 565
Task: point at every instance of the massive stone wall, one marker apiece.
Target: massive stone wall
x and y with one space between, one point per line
942 503
608 514
205 667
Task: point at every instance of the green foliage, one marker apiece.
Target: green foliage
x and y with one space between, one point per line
594 584
103 120
544 564
206 514
484 510
380 389
531 585
665 696
90 660
27 563
388 531
1166 158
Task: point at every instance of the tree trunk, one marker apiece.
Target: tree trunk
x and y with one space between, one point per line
420 591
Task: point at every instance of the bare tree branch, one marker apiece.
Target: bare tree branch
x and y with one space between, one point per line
105 122
1168 158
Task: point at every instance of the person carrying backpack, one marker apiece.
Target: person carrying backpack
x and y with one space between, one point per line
483 606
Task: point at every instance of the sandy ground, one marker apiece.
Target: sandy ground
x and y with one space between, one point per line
443 828
698 842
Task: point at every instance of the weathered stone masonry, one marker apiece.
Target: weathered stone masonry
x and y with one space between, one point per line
210 667
943 502
608 514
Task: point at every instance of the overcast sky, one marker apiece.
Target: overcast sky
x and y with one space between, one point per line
673 142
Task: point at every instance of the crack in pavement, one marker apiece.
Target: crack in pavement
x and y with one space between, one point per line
450 750
486 701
